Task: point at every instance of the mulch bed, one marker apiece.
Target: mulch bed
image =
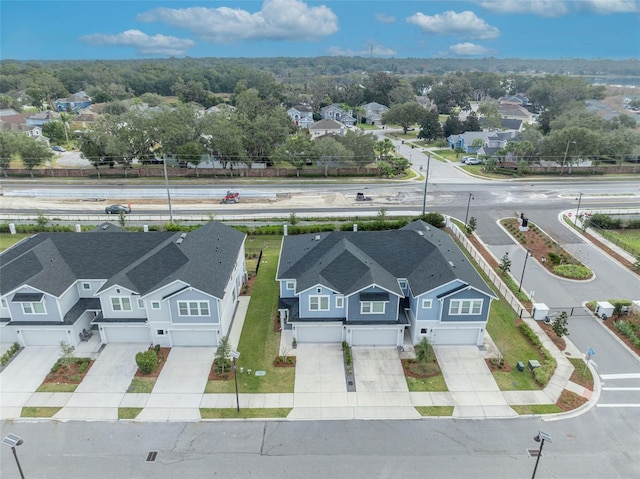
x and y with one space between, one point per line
218 376
284 362
577 378
630 317
68 374
276 324
568 401
247 288
163 354
414 369
495 366
559 342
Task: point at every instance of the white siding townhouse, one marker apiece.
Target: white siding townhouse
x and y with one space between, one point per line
373 287
166 288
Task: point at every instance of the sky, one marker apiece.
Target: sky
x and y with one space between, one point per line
124 29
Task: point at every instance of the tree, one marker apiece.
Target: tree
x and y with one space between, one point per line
471 123
64 119
66 354
424 352
378 87
636 265
559 325
384 148
55 131
489 110
361 145
505 263
403 93
404 114
472 225
452 126
191 152
7 148
221 359
328 151
454 91
430 129
33 153
434 219
297 150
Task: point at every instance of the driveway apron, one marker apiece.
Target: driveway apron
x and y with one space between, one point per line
23 376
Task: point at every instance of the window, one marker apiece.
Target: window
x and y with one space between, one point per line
465 306
290 285
33 308
372 307
193 308
319 303
155 304
120 303
4 303
403 284
339 301
160 332
319 290
426 303
141 303
423 331
86 286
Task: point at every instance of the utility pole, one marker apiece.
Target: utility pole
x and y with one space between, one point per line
426 182
166 182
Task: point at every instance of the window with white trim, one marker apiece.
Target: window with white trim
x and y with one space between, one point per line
403 284
141 303
155 304
193 308
318 303
290 285
465 306
33 308
120 303
86 286
426 304
372 307
339 301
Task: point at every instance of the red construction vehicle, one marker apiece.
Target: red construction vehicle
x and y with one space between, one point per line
231 197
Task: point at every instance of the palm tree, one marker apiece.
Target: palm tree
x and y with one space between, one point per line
64 119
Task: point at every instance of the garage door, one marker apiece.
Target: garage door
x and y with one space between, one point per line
194 338
456 336
319 333
374 337
128 334
43 337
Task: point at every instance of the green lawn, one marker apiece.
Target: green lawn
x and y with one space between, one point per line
141 385
128 412
435 410
629 238
432 384
56 388
449 154
39 411
244 413
536 409
7 239
259 343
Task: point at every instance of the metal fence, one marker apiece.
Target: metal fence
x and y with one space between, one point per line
612 238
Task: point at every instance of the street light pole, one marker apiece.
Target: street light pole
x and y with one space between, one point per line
466 216
426 182
564 159
540 437
12 440
575 220
523 268
166 183
235 355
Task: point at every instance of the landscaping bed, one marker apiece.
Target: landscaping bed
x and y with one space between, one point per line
423 376
546 251
285 362
66 375
143 383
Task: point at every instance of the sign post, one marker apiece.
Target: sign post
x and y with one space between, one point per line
590 352
235 355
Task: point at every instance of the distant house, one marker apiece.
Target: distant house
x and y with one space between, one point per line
42 118
505 124
373 287
74 102
373 113
516 112
301 115
337 113
171 289
495 143
12 121
519 99
327 127
466 140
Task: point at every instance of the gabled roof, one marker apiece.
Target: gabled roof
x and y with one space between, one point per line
326 125
349 261
51 262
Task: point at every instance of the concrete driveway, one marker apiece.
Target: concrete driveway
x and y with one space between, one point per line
23 376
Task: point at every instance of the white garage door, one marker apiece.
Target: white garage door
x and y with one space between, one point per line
127 334
43 337
319 333
456 336
374 337
194 337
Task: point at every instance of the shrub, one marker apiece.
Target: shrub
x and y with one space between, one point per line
83 367
434 219
147 361
554 258
572 271
530 335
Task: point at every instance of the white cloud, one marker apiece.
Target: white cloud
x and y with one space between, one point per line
465 24
612 6
145 44
278 20
469 49
544 8
384 18
371 50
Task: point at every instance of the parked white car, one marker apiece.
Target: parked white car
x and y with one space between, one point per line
470 160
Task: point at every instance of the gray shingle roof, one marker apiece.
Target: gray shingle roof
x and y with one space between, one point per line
350 261
51 262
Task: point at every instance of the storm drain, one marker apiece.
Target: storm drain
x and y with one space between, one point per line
534 452
152 456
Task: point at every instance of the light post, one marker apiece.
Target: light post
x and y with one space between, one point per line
12 440
540 437
466 217
523 268
235 355
564 159
426 182
575 220
166 183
